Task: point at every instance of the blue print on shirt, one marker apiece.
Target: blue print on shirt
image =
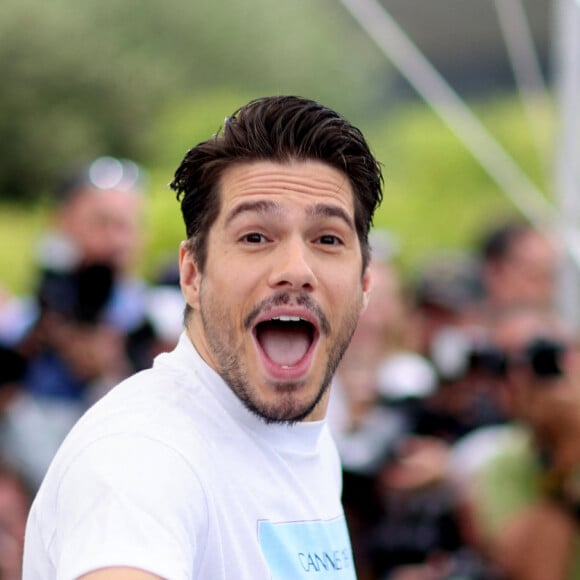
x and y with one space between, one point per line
314 549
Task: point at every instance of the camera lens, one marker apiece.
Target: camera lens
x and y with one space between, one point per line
545 357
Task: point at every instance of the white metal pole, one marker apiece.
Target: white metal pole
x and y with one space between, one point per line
429 84
526 68
567 161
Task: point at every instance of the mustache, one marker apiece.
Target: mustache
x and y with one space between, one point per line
303 300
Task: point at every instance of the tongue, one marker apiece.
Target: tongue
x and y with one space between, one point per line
285 346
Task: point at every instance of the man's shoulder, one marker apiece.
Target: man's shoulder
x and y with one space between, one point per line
155 407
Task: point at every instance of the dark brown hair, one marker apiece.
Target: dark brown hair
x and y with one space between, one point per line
281 128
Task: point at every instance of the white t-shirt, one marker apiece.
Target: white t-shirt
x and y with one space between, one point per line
171 474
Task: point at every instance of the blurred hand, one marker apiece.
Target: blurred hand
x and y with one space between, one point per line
420 462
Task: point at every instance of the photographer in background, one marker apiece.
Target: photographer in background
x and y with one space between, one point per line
86 325
403 512
526 494
98 219
89 300
448 296
519 265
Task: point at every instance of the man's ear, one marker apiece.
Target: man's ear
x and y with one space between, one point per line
189 276
367 288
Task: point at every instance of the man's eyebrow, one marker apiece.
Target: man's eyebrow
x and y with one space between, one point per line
327 210
260 206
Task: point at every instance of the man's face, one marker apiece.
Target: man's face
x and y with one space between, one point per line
105 225
528 274
282 288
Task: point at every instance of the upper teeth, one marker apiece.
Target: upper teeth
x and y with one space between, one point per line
287 318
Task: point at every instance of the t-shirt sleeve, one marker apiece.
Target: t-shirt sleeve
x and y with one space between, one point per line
129 501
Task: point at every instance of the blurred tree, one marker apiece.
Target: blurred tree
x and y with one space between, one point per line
66 97
87 78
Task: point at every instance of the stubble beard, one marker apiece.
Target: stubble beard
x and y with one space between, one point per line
231 367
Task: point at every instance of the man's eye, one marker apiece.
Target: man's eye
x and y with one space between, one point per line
329 240
253 238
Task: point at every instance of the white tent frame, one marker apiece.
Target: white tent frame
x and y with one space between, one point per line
532 203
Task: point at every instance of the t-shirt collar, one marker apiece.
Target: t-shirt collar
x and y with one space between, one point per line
301 438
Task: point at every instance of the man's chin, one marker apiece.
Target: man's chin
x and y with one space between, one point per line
288 405
282 415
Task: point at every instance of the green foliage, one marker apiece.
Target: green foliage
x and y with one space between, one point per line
437 196
62 100
19 230
86 78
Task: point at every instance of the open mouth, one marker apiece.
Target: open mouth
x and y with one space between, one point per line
286 340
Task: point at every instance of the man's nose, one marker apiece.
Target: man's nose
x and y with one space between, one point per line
292 266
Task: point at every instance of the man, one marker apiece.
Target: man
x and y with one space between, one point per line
98 219
526 492
75 332
519 264
217 463
95 218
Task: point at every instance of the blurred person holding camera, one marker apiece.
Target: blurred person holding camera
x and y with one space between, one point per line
402 508
75 331
98 234
515 264
364 426
99 220
447 297
524 488
96 218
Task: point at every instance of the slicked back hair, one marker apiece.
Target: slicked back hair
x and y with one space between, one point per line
279 129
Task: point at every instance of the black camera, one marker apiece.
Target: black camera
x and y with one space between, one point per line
80 294
546 357
543 356
13 365
456 353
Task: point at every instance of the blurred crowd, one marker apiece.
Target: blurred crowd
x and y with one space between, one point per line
455 412
455 408
89 322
